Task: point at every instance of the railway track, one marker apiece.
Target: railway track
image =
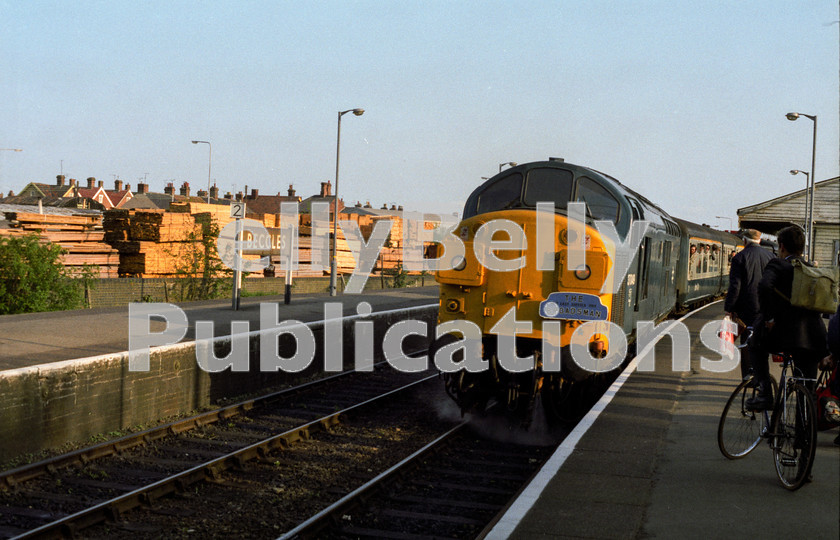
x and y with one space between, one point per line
101 484
454 487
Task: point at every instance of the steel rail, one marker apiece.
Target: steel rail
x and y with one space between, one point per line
313 525
208 471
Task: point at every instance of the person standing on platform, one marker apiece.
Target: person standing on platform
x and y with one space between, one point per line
742 295
785 328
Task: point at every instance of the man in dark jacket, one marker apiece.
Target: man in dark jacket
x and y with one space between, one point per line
742 296
796 331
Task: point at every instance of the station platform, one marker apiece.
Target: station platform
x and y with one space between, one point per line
41 338
645 464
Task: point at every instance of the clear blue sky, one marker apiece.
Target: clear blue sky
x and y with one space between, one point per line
682 101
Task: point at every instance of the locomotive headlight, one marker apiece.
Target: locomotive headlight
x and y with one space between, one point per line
453 305
583 273
459 263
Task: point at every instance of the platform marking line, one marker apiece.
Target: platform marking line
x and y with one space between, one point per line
508 522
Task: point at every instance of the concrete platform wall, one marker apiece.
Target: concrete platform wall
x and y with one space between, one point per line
48 405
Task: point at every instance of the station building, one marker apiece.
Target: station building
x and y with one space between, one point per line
771 216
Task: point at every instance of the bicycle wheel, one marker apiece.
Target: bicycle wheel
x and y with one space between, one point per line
739 430
794 432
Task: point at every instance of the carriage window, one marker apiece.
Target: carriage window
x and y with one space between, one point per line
600 204
548 185
501 194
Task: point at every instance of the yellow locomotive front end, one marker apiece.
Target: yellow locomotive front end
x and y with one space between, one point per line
530 280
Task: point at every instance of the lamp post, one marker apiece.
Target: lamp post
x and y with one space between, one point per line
793 116
209 165
333 263
511 163
807 176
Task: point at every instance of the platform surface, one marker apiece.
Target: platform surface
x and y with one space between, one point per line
649 467
39 338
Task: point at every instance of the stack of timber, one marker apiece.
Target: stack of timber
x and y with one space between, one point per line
80 236
154 243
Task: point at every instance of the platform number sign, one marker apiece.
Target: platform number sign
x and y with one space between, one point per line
237 210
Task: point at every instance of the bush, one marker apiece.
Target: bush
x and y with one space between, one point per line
32 277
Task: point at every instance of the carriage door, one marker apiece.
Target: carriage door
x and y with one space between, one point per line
643 274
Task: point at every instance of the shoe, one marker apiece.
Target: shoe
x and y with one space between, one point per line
761 402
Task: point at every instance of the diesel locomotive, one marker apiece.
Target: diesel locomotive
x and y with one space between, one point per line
617 257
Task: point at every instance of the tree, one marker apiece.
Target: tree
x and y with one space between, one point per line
201 275
32 277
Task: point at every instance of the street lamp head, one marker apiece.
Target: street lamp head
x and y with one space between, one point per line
792 116
358 112
195 142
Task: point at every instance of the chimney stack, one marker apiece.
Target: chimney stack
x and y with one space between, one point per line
291 190
59 180
326 189
185 189
100 184
201 193
169 189
229 195
254 193
90 182
72 182
118 185
239 196
142 188
214 192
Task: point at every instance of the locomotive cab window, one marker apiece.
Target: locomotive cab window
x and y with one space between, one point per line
500 195
548 185
600 204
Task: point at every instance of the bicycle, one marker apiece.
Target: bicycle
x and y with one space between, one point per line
790 429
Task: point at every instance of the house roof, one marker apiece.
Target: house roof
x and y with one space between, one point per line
762 205
268 204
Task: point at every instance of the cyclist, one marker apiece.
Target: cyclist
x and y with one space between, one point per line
782 327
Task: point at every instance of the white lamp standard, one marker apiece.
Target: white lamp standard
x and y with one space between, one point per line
793 116
209 165
334 264
807 176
